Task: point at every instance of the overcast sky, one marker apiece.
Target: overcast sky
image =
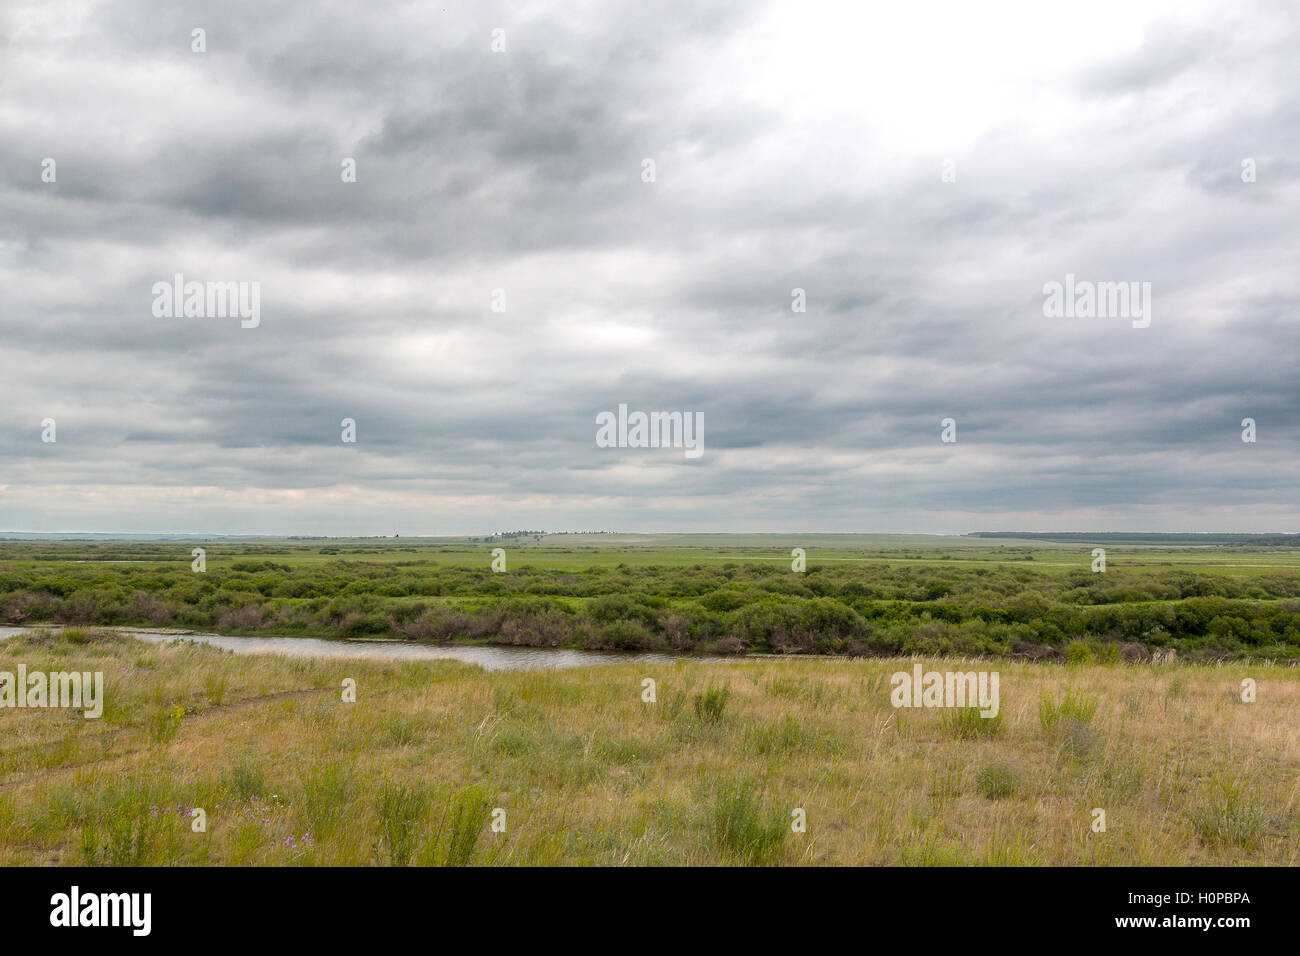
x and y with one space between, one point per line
795 145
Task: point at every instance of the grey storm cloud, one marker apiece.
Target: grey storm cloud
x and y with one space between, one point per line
796 146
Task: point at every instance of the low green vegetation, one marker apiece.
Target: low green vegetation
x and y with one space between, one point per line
860 596
996 781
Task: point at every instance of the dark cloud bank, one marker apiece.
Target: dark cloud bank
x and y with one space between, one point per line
788 155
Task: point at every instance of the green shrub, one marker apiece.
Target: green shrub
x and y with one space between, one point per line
997 781
399 730
783 735
1069 722
400 810
1108 654
245 780
132 830
131 838
1228 820
326 790
1077 652
1078 708
214 688
710 704
165 722
741 824
456 835
966 723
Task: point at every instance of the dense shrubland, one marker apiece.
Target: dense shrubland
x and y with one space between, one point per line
861 609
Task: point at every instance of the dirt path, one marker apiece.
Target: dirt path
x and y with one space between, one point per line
243 703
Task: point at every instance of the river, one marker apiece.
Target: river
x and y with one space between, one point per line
493 658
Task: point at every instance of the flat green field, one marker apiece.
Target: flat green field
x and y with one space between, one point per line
576 551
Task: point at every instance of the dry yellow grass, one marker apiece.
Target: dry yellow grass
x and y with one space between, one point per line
587 773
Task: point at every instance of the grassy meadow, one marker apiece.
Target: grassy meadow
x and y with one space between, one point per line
586 772
1120 692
